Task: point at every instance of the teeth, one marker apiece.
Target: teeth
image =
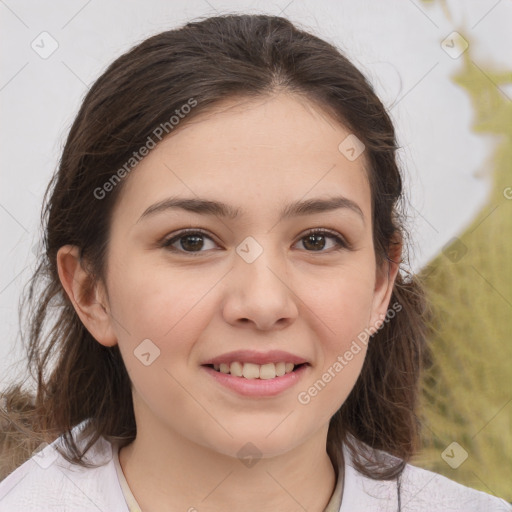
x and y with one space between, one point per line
236 369
251 371
255 371
281 369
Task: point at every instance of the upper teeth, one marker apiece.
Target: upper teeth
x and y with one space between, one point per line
255 371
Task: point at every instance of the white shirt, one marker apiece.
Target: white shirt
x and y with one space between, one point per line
47 482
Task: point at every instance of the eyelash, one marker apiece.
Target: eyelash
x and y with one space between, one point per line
340 241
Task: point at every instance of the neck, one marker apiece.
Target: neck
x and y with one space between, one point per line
166 470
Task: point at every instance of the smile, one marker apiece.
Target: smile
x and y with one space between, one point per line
255 371
251 383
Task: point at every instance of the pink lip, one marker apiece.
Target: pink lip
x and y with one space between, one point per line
257 387
251 356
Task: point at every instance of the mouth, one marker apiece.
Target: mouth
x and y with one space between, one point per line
252 371
251 380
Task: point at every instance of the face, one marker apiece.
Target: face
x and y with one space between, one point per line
257 283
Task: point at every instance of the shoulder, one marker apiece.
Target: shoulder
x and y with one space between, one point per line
425 490
47 481
420 491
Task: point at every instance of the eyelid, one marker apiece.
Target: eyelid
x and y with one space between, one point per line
167 241
344 243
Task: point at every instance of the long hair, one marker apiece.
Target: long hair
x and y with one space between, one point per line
200 64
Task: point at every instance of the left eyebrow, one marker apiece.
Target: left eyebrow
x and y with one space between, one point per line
208 207
319 205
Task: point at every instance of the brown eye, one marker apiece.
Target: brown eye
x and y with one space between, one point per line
191 242
316 241
187 242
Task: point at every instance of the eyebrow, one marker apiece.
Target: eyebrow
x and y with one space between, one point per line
209 207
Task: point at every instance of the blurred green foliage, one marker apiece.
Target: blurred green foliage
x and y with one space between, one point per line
467 394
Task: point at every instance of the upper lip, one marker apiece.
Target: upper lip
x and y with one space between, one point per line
252 356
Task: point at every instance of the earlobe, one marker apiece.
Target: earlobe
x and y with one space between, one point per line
88 297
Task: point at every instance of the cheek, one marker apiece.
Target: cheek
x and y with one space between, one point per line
342 301
170 308
156 301
342 306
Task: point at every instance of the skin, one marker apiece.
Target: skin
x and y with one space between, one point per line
255 155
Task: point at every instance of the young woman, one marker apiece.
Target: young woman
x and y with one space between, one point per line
223 243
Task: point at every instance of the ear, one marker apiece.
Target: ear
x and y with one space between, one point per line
88 297
386 274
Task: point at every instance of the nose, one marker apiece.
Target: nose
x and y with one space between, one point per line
259 294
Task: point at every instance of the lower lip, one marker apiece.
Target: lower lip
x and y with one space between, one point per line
258 387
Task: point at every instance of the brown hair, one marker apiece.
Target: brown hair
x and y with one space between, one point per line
209 60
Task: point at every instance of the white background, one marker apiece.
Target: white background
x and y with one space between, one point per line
396 43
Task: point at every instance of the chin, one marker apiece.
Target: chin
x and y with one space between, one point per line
256 443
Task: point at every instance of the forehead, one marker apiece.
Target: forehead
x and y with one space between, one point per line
271 125
241 151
